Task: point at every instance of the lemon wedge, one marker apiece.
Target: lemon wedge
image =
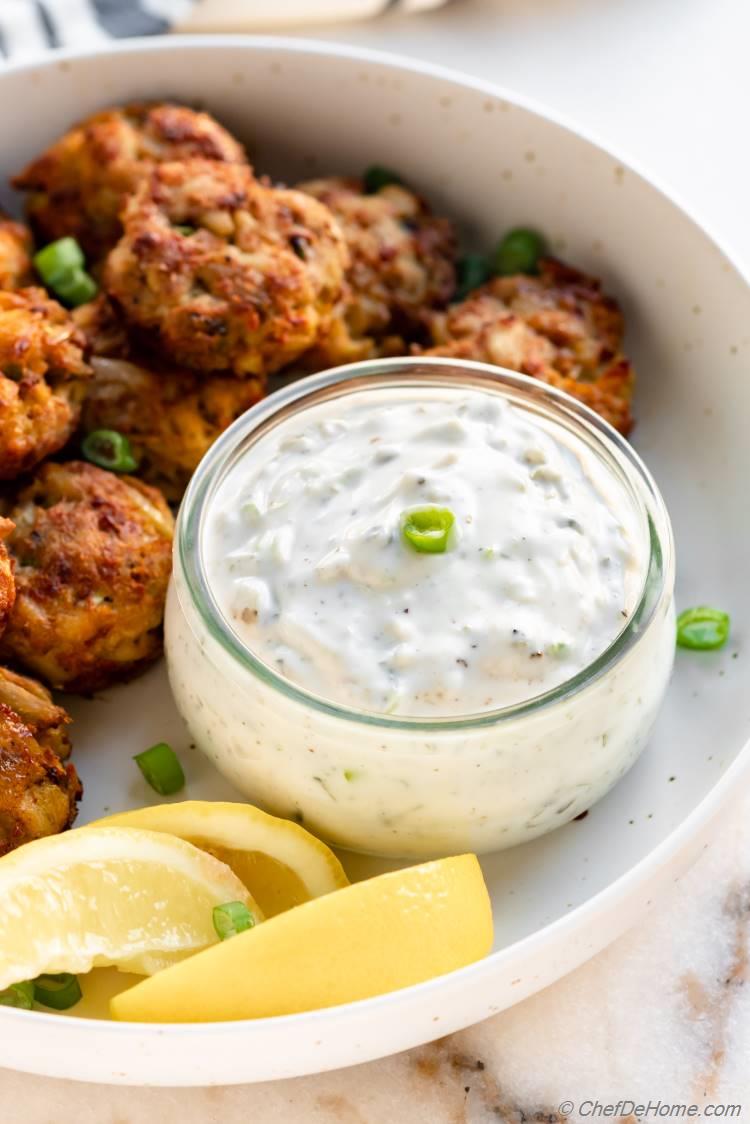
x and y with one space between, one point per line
108 896
280 863
375 936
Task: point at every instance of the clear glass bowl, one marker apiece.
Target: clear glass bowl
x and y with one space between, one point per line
417 787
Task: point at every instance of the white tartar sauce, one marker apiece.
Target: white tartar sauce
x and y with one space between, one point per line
309 562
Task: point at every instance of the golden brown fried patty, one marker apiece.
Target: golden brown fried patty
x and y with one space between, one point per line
558 327
92 554
171 416
401 263
7 583
104 328
15 254
79 184
38 794
42 379
224 272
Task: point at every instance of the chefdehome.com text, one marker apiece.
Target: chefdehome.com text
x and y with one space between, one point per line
648 1110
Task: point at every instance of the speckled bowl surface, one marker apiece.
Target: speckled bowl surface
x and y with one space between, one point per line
491 161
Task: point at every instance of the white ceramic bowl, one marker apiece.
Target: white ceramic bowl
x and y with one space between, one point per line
492 161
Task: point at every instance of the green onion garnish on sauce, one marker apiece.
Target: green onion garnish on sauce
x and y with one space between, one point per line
18 995
61 266
161 768
702 628
109 449
427 529
232 918
59 992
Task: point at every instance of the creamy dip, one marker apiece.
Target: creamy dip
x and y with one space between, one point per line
304 519
305 552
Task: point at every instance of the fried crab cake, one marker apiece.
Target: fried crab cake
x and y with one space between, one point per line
15 254
401 262
92 554
558 327
38 793
43 378
78 186
223 272
170 416
7 582
104 328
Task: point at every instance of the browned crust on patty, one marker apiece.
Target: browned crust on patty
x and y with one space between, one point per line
78 185
92 555
43 376
38 792
225 273
402 263
558 327
15 254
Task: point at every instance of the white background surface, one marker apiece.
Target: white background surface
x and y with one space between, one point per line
664 81
668 83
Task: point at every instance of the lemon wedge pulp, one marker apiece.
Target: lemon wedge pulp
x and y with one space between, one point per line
101 896
280 863
376 936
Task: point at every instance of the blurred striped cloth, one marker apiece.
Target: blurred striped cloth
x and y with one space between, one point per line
28 27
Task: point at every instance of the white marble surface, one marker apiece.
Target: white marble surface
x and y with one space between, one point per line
664 1014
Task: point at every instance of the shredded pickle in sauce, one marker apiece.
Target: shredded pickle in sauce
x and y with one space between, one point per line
307 559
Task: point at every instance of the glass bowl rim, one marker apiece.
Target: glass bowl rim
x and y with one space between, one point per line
611 445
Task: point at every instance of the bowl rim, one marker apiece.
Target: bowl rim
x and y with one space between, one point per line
586 428
676 840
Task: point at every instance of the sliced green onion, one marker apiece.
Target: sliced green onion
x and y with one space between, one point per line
427 529
377 176
702 628
519 252
183 228
58 992
18 995
61 266
109 449
232 918
58 259
161 768
74 288
471 272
